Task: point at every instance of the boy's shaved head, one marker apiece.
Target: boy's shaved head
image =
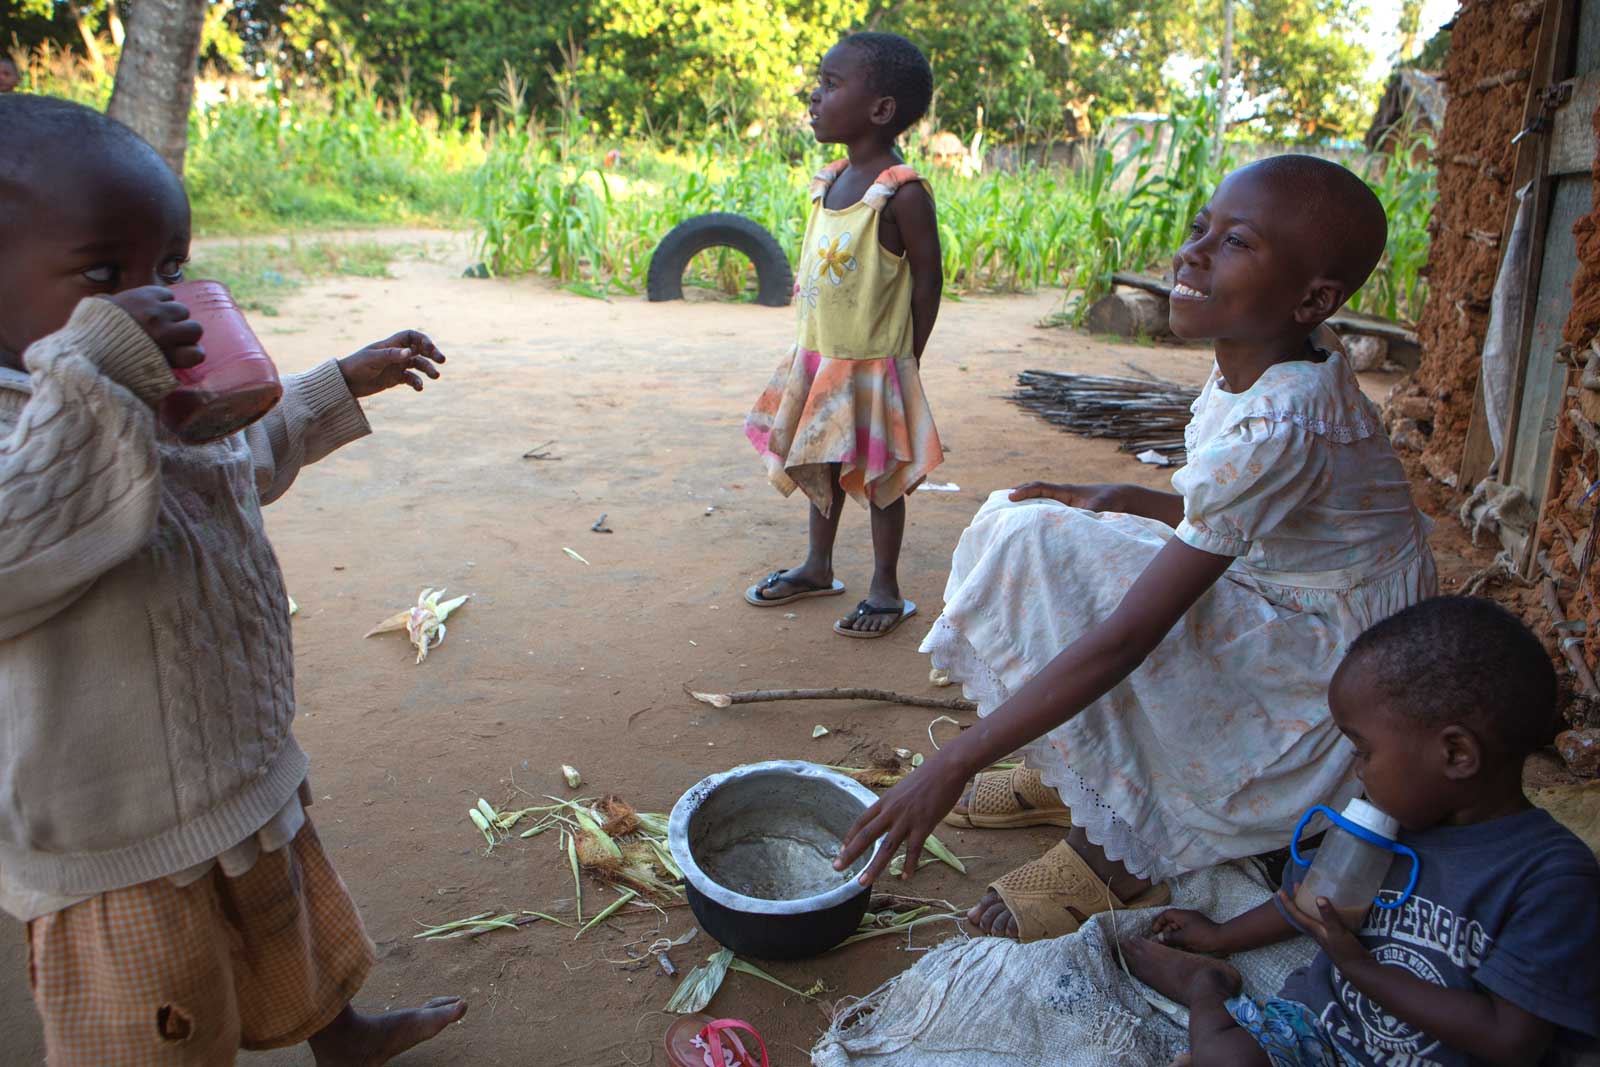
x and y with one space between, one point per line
1347 221
45 137
87 208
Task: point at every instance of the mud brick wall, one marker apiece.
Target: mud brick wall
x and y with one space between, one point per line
1569 529
1486 77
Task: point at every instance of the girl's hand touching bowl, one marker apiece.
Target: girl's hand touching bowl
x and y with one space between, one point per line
905 815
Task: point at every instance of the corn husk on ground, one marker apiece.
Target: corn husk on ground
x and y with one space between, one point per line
423 623
605 838
626 850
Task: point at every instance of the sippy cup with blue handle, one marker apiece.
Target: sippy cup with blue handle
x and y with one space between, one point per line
1352 863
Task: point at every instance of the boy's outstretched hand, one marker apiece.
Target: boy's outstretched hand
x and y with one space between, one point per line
403 359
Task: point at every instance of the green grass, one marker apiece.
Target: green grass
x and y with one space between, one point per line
263 274
302 159
310 160
544 201
550 206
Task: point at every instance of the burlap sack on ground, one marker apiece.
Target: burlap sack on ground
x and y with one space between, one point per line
1061 1003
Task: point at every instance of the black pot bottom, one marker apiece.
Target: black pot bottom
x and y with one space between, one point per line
778 937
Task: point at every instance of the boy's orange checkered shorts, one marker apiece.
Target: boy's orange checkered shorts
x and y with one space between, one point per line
168 977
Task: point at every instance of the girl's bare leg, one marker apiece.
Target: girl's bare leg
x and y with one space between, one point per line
888 533
817 571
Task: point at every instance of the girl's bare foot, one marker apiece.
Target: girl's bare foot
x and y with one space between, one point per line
356 1040
875 615
805 578
1179 976
991 915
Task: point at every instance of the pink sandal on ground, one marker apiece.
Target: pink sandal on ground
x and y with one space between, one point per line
697 1041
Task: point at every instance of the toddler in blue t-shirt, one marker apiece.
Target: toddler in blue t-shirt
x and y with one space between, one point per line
1492 957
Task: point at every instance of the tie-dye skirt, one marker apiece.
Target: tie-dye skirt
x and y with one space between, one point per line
868 416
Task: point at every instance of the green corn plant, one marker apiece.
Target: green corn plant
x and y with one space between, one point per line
1406 182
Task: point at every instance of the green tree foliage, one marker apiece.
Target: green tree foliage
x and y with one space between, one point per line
680 64
1302 71
1030 68
30 24
1051 65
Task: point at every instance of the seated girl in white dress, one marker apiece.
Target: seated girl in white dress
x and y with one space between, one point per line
1164 658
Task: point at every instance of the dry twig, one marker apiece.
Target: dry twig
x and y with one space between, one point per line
762 696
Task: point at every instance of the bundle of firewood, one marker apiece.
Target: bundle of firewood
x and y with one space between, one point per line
1144 415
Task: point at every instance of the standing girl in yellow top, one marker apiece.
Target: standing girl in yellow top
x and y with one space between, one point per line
845 412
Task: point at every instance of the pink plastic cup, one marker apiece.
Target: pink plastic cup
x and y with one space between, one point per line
234 386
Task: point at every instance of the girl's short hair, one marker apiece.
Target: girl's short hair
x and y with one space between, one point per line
897 68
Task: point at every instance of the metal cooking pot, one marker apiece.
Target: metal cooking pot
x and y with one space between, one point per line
756 845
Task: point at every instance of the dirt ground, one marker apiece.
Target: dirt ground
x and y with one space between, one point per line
556 662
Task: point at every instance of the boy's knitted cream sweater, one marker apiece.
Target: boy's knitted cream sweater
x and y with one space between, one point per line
146 673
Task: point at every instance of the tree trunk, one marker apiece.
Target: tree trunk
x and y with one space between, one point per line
155 78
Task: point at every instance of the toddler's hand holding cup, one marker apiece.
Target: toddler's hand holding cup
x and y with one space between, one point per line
157 311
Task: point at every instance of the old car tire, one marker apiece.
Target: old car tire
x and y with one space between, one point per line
721 229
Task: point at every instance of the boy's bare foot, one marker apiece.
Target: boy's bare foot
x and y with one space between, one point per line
1179 976
356 1040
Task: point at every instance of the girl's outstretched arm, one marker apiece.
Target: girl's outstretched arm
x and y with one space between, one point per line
1081 674
919 228
1128 499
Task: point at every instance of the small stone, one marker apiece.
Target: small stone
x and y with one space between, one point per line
1419 408
1581 750
1365 351
1408 436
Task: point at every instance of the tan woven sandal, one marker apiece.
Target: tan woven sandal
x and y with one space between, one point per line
1042 895
1007 800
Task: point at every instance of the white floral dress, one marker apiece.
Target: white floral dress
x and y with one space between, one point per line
1221 739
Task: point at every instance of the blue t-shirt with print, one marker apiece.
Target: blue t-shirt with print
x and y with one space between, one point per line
1511 906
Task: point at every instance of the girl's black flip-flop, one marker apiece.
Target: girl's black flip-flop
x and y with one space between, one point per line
753 594
864 609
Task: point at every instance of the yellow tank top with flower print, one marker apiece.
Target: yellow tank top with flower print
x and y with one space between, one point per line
852 295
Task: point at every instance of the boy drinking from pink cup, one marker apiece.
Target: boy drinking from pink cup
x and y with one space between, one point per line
153 825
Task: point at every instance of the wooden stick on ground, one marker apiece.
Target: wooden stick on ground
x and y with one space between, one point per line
762 696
